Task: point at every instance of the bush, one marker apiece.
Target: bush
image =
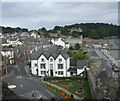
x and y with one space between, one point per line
77 46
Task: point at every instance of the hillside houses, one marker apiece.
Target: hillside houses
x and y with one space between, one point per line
73 41
8 53
60 42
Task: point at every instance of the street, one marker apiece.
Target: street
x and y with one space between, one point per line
26 86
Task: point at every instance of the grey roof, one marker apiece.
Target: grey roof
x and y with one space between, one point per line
82 63
6 49
94 54
105 66
50 51
4 41
103 77
20 49
31 39
72 69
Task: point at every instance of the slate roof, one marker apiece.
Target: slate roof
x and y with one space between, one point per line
82 63
4 41
20 49
31 39
72 69
94 54
106 67
6 49
103 77
50 51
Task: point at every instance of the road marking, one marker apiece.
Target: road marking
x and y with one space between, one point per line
49 92
19 77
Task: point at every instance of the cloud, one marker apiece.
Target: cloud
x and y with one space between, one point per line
35 15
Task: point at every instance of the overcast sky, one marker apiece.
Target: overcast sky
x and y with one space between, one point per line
35 15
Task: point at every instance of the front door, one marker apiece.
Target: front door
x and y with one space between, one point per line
51 72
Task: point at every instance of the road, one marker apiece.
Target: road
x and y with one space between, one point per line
25 84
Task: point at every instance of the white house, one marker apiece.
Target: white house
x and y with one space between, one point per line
60 42
35 34
7 52
50 62
14 42
4 42
1 36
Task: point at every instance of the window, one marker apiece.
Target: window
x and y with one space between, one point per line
60 72
51 66
42 72
42 60
60 60
51 60
60 66
35 64
42 66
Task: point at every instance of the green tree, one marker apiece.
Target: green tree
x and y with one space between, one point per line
46 35
75 55
71 48
77 46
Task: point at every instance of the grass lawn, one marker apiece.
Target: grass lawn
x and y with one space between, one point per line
60 94
74 85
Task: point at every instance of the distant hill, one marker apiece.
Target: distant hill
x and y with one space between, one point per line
91 30
5 30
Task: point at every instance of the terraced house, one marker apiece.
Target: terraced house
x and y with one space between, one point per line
51 61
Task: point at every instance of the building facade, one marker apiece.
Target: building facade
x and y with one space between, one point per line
50 64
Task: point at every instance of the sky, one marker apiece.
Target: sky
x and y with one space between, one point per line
35 15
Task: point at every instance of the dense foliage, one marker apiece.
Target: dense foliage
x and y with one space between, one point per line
12 30
91 30
77 54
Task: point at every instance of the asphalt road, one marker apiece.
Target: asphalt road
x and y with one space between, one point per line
25 83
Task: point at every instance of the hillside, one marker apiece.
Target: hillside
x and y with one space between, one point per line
91 30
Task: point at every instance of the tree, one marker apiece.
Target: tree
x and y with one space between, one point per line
75 34
71 48
46 34
77 46
75 55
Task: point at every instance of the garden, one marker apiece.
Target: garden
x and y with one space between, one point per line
78 86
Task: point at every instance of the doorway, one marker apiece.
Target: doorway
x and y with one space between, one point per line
51 72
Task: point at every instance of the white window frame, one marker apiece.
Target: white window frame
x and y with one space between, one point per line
42 60
41 66
60 60
60 72
51 65
60 66
35 65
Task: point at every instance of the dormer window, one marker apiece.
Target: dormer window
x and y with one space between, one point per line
60 60
51 60
42 60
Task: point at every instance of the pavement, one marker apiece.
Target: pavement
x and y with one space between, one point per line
7 75
25 84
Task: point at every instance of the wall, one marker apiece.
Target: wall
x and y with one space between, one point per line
33 68
64 66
